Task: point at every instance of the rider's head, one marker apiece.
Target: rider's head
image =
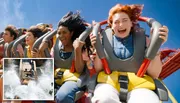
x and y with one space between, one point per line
33 34
122 18
10 34
70 27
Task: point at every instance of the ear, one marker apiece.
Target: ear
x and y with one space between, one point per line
12 36
131 24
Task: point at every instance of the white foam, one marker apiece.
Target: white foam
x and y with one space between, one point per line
34 90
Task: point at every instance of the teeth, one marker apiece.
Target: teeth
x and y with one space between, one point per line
122 30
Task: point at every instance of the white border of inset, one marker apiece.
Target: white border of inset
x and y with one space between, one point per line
29 99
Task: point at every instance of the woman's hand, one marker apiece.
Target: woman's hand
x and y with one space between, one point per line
35 54
20 50
163 31
77 44
93 39
42 48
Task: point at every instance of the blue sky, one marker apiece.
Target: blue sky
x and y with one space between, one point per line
24 13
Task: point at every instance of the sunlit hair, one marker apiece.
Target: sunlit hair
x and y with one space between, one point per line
13 31
133 11
75 23
37 32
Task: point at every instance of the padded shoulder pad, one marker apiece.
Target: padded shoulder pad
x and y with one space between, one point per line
107 35
138 28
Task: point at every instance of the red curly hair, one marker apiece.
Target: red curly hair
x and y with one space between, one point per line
133 11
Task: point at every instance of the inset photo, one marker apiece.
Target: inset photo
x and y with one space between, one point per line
28 79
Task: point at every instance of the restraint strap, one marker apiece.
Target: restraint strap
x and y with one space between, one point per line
123 81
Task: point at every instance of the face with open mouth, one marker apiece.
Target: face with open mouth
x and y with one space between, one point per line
7 37
30 39
121 24
64 35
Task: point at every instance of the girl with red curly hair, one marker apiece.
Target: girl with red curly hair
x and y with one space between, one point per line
128 46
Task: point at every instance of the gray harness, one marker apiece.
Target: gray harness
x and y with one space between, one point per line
132 63
59 62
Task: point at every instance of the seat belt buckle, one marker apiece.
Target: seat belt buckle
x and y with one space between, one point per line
60 74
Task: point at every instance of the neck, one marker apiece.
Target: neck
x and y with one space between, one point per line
68 48
122 37
9 41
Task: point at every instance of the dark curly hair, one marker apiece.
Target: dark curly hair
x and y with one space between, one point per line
37 32
12 30
75 24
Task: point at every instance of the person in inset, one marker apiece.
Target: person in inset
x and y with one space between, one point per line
127 47
31 72
26 73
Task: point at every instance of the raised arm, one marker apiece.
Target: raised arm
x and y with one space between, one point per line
155 66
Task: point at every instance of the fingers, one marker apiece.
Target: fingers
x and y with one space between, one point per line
43 46
81 42
93 56
163 35
93 40
21 53
92 36
35 52
77 44
164 29
36 49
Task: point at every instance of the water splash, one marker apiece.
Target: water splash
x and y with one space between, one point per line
40 90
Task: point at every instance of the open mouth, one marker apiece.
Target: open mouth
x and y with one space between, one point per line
122 31
63 40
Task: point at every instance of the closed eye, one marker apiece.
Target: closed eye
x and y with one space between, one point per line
125 19
116 22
